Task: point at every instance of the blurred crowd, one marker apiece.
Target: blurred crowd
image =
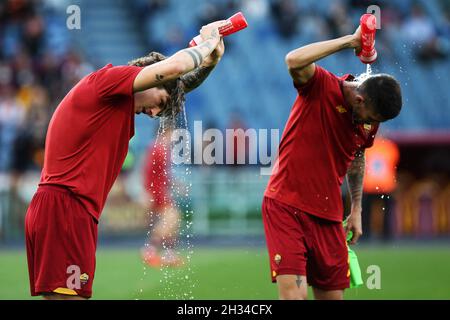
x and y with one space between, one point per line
35 73
400 21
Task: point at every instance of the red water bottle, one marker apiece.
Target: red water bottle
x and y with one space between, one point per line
234 24
368 23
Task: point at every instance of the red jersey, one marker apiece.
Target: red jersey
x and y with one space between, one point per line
157 173
317 147
88 135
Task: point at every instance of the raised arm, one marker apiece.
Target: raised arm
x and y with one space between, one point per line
196 77
181 62
355 178
301 61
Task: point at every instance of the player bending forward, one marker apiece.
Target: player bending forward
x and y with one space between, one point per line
86 145
331 123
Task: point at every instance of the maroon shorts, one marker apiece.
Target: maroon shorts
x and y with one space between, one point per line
61 239
303 244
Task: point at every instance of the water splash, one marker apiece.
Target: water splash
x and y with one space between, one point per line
363 76
369 69
176 282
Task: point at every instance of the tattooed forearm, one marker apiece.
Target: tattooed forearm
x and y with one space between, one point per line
355 177
200 52
207 44
195 78
196 57
159 77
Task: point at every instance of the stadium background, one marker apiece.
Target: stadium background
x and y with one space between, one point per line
407 237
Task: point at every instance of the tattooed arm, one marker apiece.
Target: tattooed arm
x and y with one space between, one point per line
181 62
195 78
355 177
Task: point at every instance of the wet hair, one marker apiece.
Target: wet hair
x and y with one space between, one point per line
174 88
382 92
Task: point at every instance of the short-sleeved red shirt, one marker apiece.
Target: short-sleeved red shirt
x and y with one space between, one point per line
157 173
318 145
88 135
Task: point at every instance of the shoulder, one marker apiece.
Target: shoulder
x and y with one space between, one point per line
318 82
112 70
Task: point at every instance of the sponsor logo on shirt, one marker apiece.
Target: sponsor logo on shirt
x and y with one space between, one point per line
341 109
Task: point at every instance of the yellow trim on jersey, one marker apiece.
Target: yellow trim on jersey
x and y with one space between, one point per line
65 291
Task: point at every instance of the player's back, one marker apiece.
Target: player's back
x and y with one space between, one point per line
88 135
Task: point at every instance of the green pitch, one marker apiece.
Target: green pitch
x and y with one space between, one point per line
406 273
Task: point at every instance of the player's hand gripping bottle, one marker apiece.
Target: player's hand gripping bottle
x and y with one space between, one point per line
368 23
353 264
234 24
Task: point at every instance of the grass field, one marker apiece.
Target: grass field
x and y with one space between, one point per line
406 273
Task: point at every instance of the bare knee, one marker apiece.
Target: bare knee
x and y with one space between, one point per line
292 287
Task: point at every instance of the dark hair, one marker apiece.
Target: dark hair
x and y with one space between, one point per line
174 88
383 93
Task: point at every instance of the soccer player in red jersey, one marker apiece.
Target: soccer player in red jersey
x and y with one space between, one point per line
86 145
164 216
331 123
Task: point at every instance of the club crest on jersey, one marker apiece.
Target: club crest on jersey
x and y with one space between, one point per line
84 278
277 259
341 109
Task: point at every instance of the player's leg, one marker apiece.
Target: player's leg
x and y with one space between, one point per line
285 243
327 268
150 252
292 287
163 239
167 227
170 228
320 294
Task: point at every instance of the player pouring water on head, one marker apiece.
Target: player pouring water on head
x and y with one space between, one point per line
86 145
164 215
333 120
